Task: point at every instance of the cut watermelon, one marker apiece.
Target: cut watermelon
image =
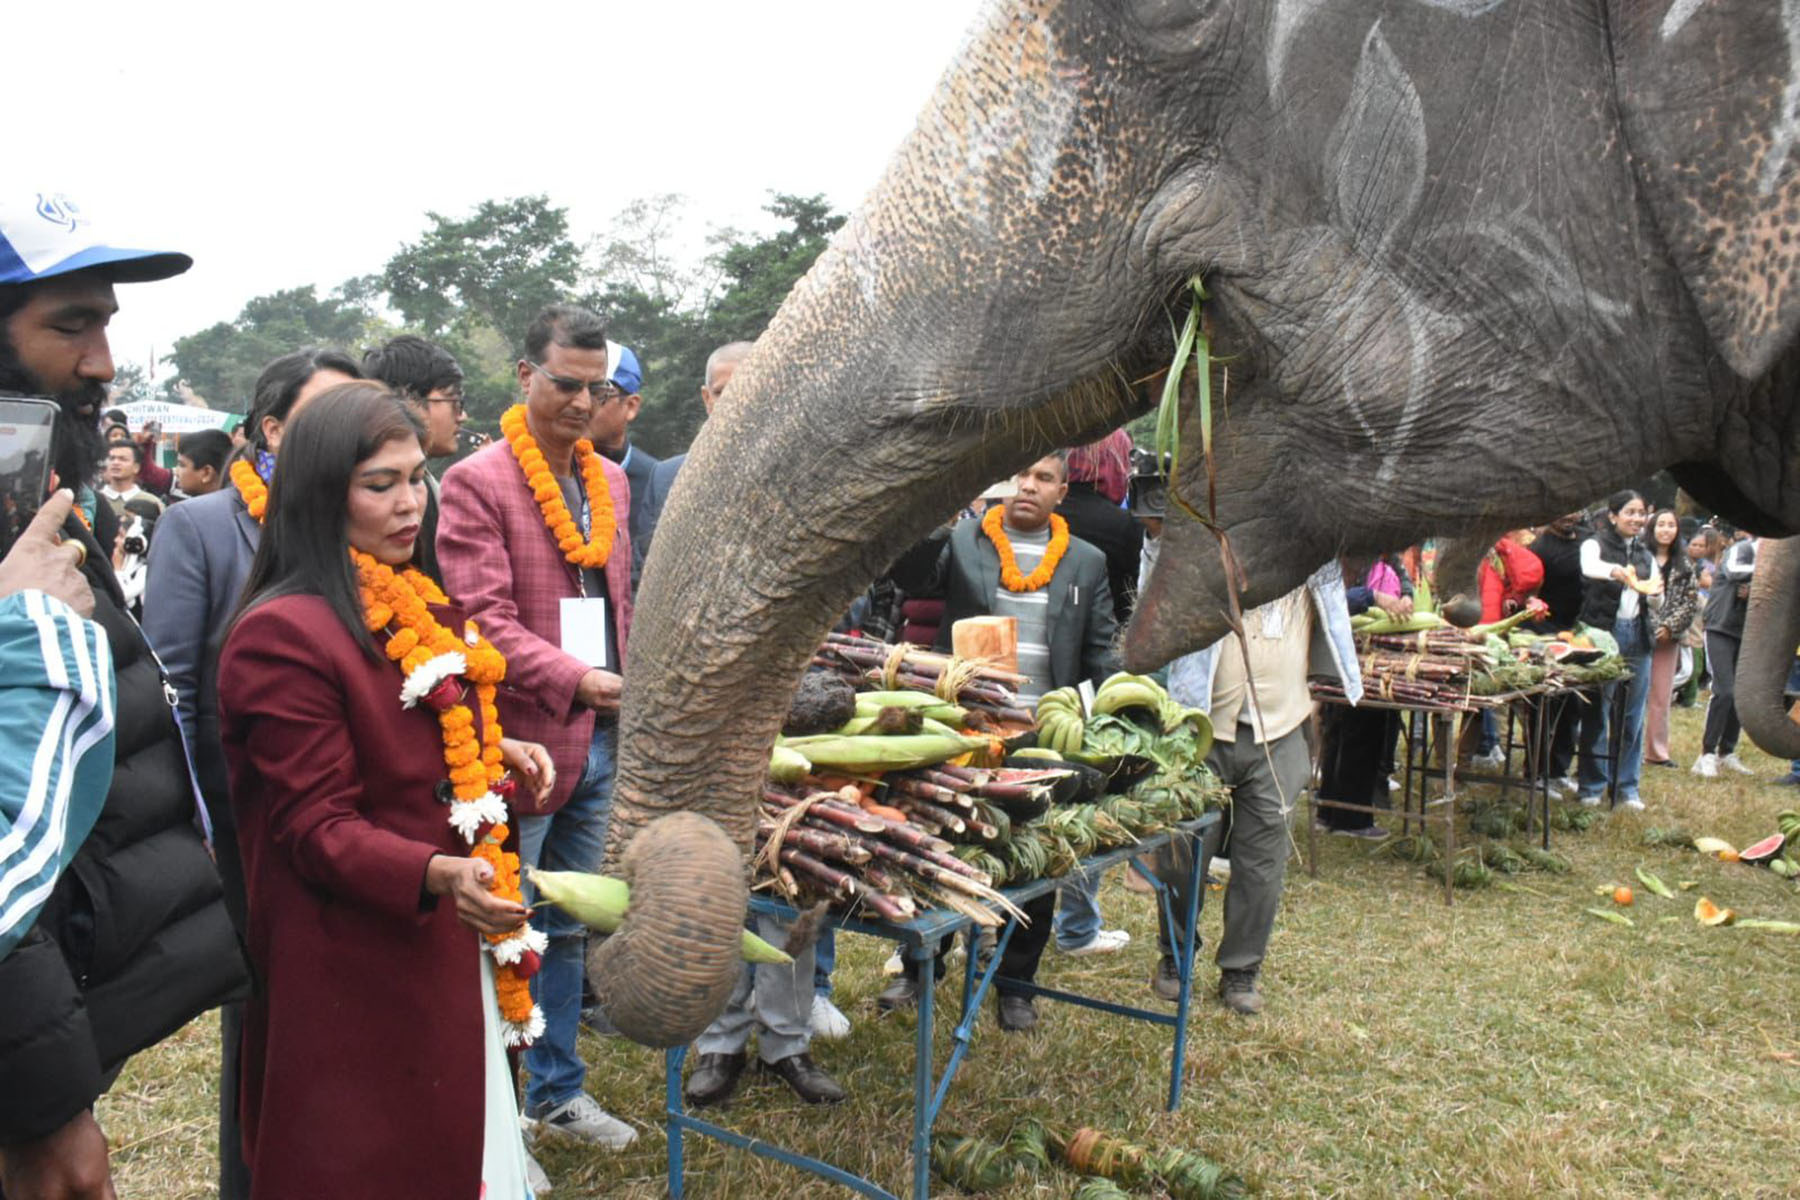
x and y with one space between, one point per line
1763 851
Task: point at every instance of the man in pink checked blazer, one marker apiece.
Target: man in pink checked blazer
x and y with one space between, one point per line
563 629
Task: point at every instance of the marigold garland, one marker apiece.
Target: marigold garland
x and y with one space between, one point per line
251 487
993 524
603 524
436 663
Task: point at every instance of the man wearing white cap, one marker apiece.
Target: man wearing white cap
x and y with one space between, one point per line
124 937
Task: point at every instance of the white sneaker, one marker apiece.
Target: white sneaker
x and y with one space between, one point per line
1491 761
1393 784
1107 941
583 1119
1632 803
1732 762
535 1179
1707 766
1590 801
894 964
827 1020
1218 871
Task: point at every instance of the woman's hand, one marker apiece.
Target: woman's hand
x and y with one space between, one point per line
1662 635
466 881
531 763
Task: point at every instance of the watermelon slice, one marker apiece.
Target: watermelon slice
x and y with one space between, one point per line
1763 851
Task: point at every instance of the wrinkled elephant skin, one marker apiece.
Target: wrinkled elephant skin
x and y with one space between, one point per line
1445 299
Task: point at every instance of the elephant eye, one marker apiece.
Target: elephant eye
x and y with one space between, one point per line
1171 27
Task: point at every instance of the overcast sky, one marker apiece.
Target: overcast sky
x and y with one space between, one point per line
289 144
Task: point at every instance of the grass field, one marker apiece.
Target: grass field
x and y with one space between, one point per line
1510 1045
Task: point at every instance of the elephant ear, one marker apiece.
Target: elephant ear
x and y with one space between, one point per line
1710 91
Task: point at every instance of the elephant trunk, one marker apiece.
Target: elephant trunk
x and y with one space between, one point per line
882 397
1771 632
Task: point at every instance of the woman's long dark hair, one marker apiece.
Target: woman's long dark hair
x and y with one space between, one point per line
305 547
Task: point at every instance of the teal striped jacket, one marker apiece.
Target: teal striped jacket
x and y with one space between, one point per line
56 748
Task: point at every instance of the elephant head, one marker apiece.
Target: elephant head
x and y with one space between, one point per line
1771 632
1471 263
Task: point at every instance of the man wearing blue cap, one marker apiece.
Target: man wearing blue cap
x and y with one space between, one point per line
610 432
126 937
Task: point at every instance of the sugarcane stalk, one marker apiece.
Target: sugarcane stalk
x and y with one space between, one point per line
930 813
833 846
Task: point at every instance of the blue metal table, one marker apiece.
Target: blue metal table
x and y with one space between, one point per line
919 940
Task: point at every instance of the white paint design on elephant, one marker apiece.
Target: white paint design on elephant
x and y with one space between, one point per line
1375 157
1291 14
1031 128
1678 15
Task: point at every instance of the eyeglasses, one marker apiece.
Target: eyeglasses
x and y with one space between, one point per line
600 389
455 402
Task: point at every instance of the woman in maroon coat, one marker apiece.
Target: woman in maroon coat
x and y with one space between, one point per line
370 1047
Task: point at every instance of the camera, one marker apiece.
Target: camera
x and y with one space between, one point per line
137 544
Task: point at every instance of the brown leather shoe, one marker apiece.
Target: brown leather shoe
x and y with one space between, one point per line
714 1079
808 1079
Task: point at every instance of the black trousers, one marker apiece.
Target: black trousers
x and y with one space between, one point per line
1024 950
1721 733
1561 724
1355 743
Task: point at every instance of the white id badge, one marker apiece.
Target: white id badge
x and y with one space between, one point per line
584 628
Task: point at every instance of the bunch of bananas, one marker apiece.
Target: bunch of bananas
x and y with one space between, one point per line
1061 725
1123 691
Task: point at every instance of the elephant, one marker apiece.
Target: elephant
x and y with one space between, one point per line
1468 264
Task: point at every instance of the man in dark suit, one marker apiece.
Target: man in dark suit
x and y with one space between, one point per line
610 431
1056 586
720 365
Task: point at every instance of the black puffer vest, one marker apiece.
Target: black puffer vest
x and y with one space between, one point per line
1600 597
139 916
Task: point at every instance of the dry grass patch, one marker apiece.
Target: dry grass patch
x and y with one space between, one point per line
1510 1045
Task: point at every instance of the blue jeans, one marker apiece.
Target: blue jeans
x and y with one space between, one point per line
569 839
1595 770
824 962
1077 913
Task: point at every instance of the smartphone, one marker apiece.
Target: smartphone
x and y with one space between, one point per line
27 429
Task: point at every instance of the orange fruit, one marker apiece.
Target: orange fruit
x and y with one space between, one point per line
1728 856
1621 895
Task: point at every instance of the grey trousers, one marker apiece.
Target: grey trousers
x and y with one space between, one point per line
1263 802
773 1001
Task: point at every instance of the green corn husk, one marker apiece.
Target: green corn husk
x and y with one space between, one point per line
877 753
1503 858
1573 818
1027 856
1467 873
973 1164
1545 860
1676 836
982 860
787 765
1075 827
1416 848
1091 1152
1062 856
1132 814
1029 1145
1498 821
1190 1176
1098 1187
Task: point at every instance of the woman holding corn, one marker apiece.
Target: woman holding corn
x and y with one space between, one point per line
370 782
1618 573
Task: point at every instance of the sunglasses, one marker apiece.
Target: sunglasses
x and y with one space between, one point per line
600 389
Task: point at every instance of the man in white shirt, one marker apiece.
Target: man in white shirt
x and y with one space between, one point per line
123 462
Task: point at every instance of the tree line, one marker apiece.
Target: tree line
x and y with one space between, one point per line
472 283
